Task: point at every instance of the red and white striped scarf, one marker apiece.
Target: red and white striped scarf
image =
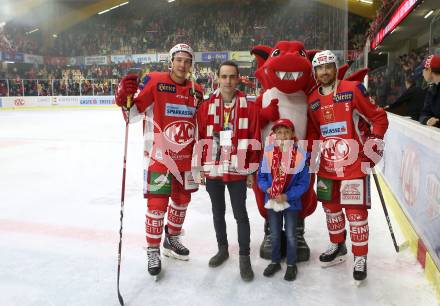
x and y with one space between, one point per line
238 120
279 169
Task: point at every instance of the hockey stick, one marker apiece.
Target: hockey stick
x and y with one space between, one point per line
124 167
121 300
385 210
384 207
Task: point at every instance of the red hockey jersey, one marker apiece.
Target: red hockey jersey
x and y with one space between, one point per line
342 121
170 114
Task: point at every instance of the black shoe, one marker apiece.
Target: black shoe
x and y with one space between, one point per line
219 258
335 254
360 268
271 269
291 272
173 247
246 272
302 249
266 244
154 263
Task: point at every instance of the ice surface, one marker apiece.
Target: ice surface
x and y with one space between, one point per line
60 184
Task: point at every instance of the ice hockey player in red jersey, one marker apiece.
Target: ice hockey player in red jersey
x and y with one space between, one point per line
167 101
348 130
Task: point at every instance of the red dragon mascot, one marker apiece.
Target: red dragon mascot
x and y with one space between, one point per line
285 72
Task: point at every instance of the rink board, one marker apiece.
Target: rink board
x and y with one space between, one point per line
410 181
54 102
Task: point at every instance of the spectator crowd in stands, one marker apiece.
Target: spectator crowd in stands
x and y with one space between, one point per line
388 82
239 25
42 80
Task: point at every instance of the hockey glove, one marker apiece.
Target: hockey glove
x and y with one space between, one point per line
373 150
126 88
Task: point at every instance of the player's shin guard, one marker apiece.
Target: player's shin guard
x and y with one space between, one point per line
154 227
176 217
335 224
359 231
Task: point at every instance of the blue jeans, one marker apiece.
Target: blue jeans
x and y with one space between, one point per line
276 226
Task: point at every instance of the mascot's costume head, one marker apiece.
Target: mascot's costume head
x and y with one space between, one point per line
287 66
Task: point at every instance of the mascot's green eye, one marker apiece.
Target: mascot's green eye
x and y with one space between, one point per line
276 52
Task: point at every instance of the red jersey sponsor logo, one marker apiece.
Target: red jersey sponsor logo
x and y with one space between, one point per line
180 132
352 192
315 105
164 87
346 96
335 149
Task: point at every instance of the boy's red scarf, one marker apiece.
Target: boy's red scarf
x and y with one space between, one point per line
279 169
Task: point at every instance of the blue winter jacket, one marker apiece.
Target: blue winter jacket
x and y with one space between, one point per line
299 181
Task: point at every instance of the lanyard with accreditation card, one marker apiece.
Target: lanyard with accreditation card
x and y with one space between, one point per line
226 133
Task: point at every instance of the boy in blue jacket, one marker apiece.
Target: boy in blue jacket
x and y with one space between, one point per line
284 177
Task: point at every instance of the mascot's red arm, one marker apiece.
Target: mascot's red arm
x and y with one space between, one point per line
269 113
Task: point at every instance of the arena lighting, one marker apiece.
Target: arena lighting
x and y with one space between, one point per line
2 24
429 14
169 1
405 7
366 1
112 8
32 31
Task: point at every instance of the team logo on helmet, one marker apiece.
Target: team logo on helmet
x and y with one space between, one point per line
324 57
181 48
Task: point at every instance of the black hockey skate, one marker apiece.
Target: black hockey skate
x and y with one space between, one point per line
360 269
154 263
335 254
172 247
266 245
302 249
